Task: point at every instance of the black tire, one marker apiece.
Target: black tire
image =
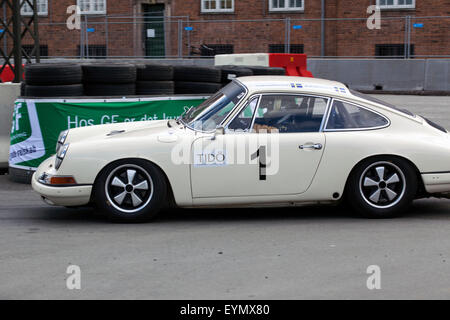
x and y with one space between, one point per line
111 73
155 87
20 175
183 87
123 209
154 72
197 74
373 190
267 71
53 74
69 90
107 90
231 72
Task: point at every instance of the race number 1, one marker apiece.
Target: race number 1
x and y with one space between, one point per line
261 154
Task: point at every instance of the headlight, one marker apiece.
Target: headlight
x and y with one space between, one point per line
61 155
61 139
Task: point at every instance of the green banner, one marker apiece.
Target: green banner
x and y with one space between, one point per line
37 123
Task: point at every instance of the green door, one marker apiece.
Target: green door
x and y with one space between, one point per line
154 30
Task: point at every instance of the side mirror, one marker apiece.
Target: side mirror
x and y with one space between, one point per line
219 132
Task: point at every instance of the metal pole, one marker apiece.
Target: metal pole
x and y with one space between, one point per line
166 36
188 38
87 36
322 30
409 37
36 32
5 41
180 38
288 35
285 35
81 38
106 36
405 49
17 42
136 45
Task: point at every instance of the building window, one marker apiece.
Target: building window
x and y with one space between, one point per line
280 48
393 51
43 50
396 4
94 51
42 8
286 5
92 6
217 5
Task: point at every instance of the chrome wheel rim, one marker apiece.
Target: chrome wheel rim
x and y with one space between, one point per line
129 188
382 185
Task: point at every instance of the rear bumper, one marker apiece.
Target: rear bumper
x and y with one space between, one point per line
437 182
63 196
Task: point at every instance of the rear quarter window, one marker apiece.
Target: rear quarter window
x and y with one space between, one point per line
345 115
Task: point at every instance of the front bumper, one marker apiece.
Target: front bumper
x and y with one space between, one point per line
69 196
62 196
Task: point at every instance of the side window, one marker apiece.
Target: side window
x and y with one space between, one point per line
349 116
289 113
243 121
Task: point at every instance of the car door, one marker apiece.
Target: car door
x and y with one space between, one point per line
272 147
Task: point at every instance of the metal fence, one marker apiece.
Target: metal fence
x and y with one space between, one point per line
157 36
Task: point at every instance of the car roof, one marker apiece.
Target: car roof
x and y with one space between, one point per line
295 85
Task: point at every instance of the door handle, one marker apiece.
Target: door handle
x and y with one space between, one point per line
315 146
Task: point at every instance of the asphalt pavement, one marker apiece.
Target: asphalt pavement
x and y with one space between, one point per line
320 252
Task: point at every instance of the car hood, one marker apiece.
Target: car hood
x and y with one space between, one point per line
119 130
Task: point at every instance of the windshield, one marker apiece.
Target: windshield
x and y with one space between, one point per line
211 113
384 103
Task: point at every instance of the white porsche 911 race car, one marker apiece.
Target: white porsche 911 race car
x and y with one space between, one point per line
262 140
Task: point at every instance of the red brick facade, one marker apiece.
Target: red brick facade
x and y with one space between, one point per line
117 31
342 37
252 27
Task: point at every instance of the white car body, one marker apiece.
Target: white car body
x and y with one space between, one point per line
304 175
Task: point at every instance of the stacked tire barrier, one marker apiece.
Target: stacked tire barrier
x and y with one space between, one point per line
121 80
197 80
109 80
155 79
53 80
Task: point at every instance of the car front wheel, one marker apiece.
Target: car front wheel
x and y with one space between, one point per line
382 187
130 190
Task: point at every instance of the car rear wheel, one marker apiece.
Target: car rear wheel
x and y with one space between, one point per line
382 187
130 190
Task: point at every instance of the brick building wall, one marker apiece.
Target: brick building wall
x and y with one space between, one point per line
117 32
343 38
251 27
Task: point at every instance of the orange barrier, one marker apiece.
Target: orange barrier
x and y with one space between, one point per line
294 64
